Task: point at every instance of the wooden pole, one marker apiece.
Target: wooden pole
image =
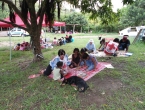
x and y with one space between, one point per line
135 39
73 28
10 47
60 29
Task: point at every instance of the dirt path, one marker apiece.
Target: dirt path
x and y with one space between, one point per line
6 44
3 33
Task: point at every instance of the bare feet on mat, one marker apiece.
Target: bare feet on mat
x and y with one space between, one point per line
41 72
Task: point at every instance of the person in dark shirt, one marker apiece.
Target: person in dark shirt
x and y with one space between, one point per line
102 45
124 43
75 58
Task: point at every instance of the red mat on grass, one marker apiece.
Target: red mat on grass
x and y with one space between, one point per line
79 72
83 74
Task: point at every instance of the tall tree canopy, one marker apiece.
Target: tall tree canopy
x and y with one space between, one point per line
32 18
75 20
133 15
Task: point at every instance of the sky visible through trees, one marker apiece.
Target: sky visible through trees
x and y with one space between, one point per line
117 4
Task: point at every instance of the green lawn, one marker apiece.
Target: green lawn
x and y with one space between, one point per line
121 88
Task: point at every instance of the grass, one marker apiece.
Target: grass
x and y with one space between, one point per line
18 92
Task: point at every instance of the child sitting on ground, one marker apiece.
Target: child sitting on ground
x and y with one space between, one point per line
22 47
102 45
42 43
27 46
63 40
82 61
75 58
59 43
91 62
111 48
58 72
17 47
54 42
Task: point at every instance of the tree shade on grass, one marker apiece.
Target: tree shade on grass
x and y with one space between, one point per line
47 8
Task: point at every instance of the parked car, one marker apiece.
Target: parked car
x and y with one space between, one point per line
17 32
130 31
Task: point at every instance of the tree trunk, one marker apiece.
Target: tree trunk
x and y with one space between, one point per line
35 44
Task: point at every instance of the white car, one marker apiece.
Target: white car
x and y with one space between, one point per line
130 31
17 32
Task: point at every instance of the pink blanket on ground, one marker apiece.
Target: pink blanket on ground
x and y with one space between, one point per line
79 72
83 74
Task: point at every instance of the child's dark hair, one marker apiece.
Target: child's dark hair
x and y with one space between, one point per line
83 50
18 44
116 40
59 64
59 39
76 49
102 41
61 52
54 37
85 56
70 36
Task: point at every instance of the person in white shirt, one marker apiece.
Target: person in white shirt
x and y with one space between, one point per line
58 72
53 63
91 46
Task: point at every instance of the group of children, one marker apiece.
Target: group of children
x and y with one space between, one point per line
109 47
123 44
22 47
44 43
62 40
81 57
58 42
60 64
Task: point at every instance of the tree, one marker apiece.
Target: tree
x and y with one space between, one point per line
133 15
75 19
26 10
3 13
46 10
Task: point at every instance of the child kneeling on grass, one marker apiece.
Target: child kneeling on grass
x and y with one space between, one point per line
58 72
90 61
